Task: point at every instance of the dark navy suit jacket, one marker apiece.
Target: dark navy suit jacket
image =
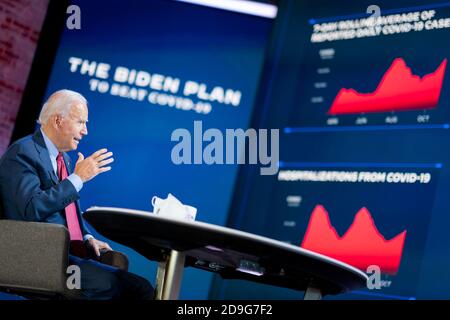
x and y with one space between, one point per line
30 189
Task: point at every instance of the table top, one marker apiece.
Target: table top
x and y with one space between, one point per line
232 253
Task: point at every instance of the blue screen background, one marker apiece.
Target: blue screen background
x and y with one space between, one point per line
309 142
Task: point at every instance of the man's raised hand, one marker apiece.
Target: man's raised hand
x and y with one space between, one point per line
88 168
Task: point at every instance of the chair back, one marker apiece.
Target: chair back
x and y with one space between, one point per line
33 256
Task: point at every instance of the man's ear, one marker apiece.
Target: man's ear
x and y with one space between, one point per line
56 121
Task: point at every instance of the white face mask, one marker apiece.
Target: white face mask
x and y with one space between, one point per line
171 207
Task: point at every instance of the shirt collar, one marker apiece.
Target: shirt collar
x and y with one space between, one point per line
52 150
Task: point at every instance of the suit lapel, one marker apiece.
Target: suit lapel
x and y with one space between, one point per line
43 154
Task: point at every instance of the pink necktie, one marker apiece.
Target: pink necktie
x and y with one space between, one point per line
71 211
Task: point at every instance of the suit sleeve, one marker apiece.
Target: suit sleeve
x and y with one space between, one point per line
36 203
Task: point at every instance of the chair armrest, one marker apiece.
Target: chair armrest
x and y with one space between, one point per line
33 256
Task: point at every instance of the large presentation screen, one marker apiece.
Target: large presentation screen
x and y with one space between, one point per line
362 97
148 68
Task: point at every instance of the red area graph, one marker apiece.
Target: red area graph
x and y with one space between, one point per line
399 90
361 246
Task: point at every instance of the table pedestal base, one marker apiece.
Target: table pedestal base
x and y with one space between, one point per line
169 276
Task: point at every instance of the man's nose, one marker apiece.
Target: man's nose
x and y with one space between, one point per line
84 132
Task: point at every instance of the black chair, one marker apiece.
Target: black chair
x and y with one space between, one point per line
34 260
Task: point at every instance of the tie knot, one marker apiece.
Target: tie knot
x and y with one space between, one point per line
59 157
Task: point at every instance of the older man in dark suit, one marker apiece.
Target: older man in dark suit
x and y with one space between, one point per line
36 184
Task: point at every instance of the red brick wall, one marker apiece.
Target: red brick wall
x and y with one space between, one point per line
20 25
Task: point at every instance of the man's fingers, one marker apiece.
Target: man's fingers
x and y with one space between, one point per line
100 170
104 169
105 162
97 251
80 157
98 152
103 156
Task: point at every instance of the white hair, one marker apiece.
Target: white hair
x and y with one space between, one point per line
60 102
